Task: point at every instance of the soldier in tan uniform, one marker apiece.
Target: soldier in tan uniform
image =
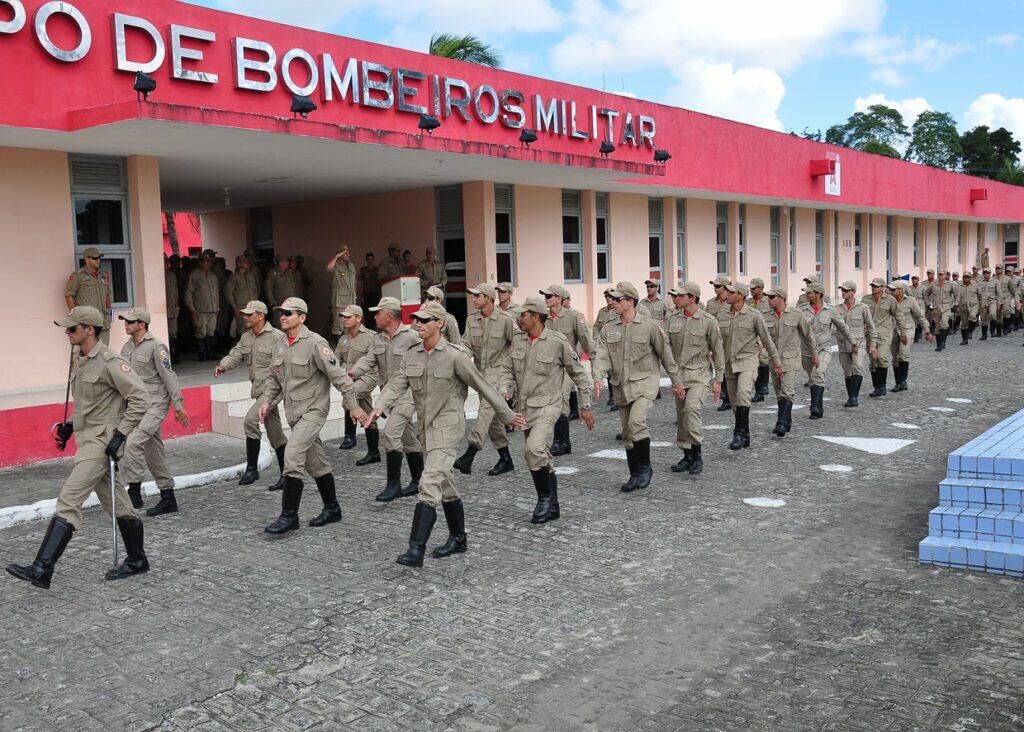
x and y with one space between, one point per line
629 352
151 360
343 291
91 287
823 319
1007 306
759 302
654 303
391 267
242 289
803 295
401 434
573 325
171 296
505 302
696 342
110 401
278 285
914 291
989 291
969 308
541 360
438 375
604 315
202 296
451 325
939 297
743 336
431 272
256 349
791 332
354 342
883 315
302 371
489 334
369 282
909 313
295 273
860 337
713 307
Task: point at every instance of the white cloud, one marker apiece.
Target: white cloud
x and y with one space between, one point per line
1006 40
888 76
899 50
472 16
996 111
909 108
750 95
315 14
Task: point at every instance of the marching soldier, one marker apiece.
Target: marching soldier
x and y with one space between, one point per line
713 307
573 325
696 342
242 289
914 291
629 352
883 314
803 296
171 297
654 303
401 435
110 401
145 447
1007 305
343 294
489 334
541 360
969 308
354 343
604 315
861 335
369 281
302 372
431 272
437 375
256 349
939 297
823 319
743 335
295 273
989 291
391 267
791 333
908 313
278 285
760 303
202 297
505 303
90 287
451 325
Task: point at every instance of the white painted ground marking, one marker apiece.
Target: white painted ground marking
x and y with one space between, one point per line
798 407
905 426
717 427
836 468
566 470
765 411
662 444
958 400
762 502
874 445
612 454
942 409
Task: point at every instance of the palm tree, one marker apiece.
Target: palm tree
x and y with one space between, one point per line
464 48
1012 173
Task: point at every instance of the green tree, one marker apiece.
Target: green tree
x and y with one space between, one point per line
464 48
880 148
935 141
1012 173
879 129
985 150
1007 148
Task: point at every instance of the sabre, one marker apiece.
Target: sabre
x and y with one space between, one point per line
113 510
61 431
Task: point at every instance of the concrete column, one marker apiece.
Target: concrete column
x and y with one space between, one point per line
583 299
144 216
478 227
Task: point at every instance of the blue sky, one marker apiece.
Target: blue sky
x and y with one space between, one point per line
783 64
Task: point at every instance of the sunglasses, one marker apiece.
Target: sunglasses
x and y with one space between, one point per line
72 329
426 320
289 313
616 299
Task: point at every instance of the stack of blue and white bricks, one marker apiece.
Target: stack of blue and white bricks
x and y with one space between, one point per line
979 522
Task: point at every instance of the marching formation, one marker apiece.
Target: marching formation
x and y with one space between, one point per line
524 362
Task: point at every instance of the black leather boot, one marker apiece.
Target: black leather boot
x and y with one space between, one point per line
630 485
741 429
855 384
726 405
556 511
696 461
878 378
574 406
455 517
542 484
849 391
415 461
252 458
167 504
760 384
201 353
291 497
349 441
135 494
683 466
780 421
504 464
644 471
964 333
372 448
393 487
563 442
464 463
279 485
331 513
55 541
917 334
423 519
135 561
817 402
984 333
901 378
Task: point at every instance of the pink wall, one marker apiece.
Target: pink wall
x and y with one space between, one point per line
538 213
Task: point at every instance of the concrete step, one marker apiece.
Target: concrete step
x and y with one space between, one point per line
998 495
977 524
982 556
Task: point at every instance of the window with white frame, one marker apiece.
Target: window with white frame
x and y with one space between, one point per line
741 244
819 244
1011 243
792 239
869 240
775 241
572 236
961 234
603 237
504 234
939 225
917 234
99 198
655 236
722 238
856 241
888 247
681 239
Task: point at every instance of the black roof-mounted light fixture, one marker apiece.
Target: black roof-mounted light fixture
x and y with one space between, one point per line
144 85
607 148
662 156
527 137
429 123
302 105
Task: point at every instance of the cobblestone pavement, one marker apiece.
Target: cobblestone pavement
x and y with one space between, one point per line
680 607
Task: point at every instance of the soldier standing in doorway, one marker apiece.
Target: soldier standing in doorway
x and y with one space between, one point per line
278 285
203 299
242 289
91 287
171 298
343 290
369 282
431 273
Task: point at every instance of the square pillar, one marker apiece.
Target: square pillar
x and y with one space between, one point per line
479 231
146 224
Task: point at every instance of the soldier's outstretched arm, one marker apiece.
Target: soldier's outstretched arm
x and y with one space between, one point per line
162 364
469 374
766 341
578 373
235 356
716 350
328 363
840 325
397 386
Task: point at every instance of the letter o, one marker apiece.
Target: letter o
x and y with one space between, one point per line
17 21
482 91
286 74
43 16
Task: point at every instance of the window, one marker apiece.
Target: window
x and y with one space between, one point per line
1011 243
961 234
775 241
504 234
819 244
917 229
870 240
681 239
604 264
938 244
888 247
99 196
722 238
856 241
835 245
792 239
572 239
656 230
741 246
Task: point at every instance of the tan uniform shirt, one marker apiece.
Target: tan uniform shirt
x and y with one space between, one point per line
256 352
970 300
343 287
630 354
604 315
278 287
860 327
431 273
351 349
714 306
743 335
989 291
92 290
242 288
696 343
171 293
298 284
152 362
451 329
790 331
389 269
909 313
1005 289
385 357
490 340
573 325
203 291
108 396
658 308
915 292
939 298
883 315
539 368
369 279
822 323
302 373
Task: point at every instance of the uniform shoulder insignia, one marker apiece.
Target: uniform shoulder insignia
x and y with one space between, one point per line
325 350
125 367
165 358
71 278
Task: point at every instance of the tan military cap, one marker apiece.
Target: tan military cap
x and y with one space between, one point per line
739 287
756 282
135 315
430 311
929 271
652 282
688 288
484 288
556 290
435 293
608 290
849 285
394 248
815 286
719 281
93 253
986 270
504 287
294 303
82 315
778 292
901 284
809 280
210 255
389 303
533 305
253 307
626 289
352 311
878 282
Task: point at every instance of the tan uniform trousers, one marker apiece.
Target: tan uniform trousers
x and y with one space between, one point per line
487 425
689 427
206 325
1007 309
740 385
855 364
633 417
305 450
900 351
816 376
88 476
882 360
785 388
538 439
941 319
251 424
400 432
145 448
437 484
990 313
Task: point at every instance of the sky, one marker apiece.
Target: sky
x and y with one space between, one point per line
781 64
